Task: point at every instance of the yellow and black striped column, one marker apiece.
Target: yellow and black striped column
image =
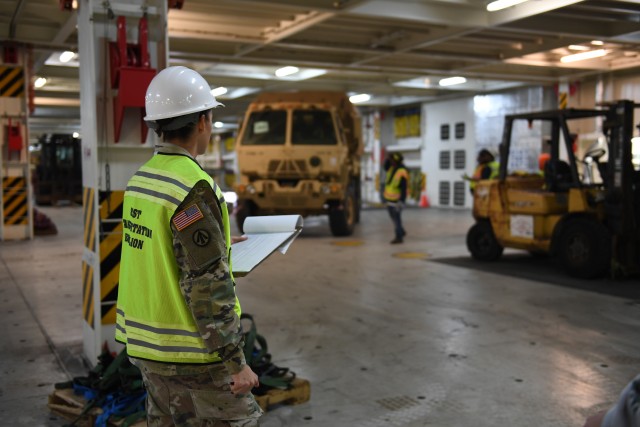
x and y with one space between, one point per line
88 211
11 81
89 217
87 293
14 200
110 249
562 100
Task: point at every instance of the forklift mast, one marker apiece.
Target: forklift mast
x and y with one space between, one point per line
622 202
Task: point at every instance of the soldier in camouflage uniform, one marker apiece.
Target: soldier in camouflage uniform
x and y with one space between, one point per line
177 309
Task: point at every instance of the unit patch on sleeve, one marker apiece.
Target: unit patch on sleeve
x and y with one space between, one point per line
187 217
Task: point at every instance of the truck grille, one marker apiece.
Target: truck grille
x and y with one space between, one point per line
286 168
291 201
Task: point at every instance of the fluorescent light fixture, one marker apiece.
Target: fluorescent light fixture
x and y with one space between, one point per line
76 135
221 90
597 42
502 4
584 55
40 81
450 81
66 56
356 99
218 125
578 47
286 71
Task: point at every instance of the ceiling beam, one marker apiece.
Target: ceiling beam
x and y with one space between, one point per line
286 29
526 10
67 29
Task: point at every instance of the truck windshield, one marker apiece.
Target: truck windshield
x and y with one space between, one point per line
266 128
313 127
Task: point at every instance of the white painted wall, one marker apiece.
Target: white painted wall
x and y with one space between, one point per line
483 117
443 113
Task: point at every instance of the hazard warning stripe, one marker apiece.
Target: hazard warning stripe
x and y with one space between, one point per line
108 312
13 181
110 250
11 81
110 210
562 102
87 293
14 200
89 220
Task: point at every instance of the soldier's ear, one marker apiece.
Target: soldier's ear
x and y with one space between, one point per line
202 123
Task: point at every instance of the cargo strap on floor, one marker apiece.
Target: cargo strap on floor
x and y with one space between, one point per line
259 359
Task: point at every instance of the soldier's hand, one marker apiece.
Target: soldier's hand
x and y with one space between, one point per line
238 239
595 420
244 381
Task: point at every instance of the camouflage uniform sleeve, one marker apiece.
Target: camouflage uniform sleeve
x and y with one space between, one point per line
205 282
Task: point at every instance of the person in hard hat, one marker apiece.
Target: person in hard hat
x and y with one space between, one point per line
543 158
395 192
487 168
177 311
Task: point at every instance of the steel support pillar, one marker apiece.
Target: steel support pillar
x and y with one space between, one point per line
16 194
110 154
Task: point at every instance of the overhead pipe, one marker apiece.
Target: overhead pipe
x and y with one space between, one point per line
14 18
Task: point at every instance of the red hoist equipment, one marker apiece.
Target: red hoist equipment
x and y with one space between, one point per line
66 4
131 74
14 139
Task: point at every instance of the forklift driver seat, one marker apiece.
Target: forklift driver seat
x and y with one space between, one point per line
557 175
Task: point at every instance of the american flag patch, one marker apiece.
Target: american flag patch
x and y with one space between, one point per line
187 217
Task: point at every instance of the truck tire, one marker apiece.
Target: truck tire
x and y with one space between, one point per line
584 248
482 243
243 210
358 199
342 217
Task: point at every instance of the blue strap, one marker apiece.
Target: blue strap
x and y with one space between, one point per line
120 406
86 392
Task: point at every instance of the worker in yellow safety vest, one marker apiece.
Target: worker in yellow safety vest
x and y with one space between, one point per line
487 168
395 192
177 309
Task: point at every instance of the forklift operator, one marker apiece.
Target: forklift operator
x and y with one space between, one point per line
487 168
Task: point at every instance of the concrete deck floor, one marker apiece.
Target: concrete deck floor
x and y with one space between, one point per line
384 340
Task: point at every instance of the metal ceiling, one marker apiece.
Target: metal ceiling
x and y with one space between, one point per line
394 50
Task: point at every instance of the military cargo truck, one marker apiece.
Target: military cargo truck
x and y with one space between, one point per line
299 153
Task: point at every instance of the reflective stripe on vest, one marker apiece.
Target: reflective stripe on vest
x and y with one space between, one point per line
392 191
152 317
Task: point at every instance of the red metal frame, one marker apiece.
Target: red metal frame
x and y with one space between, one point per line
131 73
176 4
66 4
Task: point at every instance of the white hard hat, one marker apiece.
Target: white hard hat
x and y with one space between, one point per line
177 91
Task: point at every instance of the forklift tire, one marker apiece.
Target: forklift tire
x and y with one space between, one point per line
482 243
342 217
584 248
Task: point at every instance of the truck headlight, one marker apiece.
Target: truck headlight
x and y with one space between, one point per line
230 197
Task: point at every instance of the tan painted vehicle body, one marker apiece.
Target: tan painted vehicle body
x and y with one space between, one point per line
299 153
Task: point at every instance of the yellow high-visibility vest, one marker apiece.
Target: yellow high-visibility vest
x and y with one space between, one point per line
477 174
392 191
152 317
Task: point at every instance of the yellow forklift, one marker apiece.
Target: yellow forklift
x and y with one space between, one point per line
591 228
